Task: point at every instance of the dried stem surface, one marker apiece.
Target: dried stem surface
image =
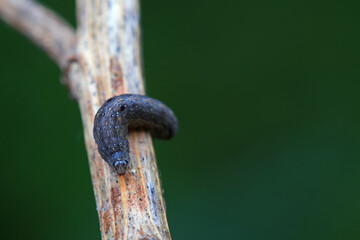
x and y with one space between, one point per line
106 62
47 30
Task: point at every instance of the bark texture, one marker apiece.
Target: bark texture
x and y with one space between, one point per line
103 61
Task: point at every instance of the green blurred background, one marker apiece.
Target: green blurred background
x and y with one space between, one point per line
267 96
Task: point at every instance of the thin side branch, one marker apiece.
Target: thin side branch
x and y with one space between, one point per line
47 30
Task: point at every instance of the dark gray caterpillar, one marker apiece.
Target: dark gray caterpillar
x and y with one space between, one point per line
118 114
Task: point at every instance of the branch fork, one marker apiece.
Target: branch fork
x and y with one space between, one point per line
99 60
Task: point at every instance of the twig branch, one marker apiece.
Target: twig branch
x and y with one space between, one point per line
107 63
47 30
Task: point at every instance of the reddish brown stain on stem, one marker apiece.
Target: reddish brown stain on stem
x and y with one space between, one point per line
101 88
143 235
137 198
115 201
106 219
115 196
117 81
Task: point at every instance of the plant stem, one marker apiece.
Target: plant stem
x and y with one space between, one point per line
104 61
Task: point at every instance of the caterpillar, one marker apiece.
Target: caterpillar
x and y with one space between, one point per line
125 111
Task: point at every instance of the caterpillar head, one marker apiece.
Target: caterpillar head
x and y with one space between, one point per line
120 162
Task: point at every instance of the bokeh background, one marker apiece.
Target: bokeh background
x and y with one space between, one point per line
267 96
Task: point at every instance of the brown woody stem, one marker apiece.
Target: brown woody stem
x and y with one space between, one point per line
106 62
